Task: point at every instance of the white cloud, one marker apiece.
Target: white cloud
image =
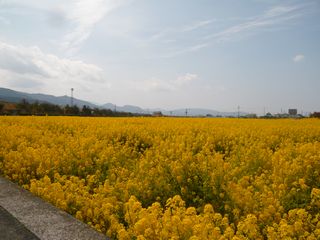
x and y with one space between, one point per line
185 79
28 67
298 58
84 15
80 16
158 85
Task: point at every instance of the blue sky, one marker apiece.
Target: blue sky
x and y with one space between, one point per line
256 54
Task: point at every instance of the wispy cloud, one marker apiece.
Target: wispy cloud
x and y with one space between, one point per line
273 17
189 49
79 16
169 32
84 15
197 25
298 58
160 34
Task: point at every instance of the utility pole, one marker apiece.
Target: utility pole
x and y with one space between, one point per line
238 111
186 112
71 97
115 108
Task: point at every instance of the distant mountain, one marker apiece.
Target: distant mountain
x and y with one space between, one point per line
176 112
9 95
125 108
193 112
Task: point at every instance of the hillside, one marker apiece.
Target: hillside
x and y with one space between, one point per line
9 95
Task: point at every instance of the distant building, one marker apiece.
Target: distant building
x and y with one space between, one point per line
293 112
281 115
9 108
250 115
157 114
268 115
315 114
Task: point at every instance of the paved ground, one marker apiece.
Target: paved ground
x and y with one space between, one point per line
11 228
25 216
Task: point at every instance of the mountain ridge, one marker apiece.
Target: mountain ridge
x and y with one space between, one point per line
9 95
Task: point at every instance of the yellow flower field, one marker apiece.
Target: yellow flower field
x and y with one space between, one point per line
172 178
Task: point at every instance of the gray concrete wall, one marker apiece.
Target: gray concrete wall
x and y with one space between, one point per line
11 228
41 218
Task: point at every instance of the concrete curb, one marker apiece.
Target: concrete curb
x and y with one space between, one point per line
41 218
11 228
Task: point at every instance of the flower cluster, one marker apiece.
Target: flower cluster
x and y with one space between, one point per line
172 178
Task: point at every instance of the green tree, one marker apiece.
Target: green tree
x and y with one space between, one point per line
86 111
1 107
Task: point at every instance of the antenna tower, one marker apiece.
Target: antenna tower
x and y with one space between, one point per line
72 89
